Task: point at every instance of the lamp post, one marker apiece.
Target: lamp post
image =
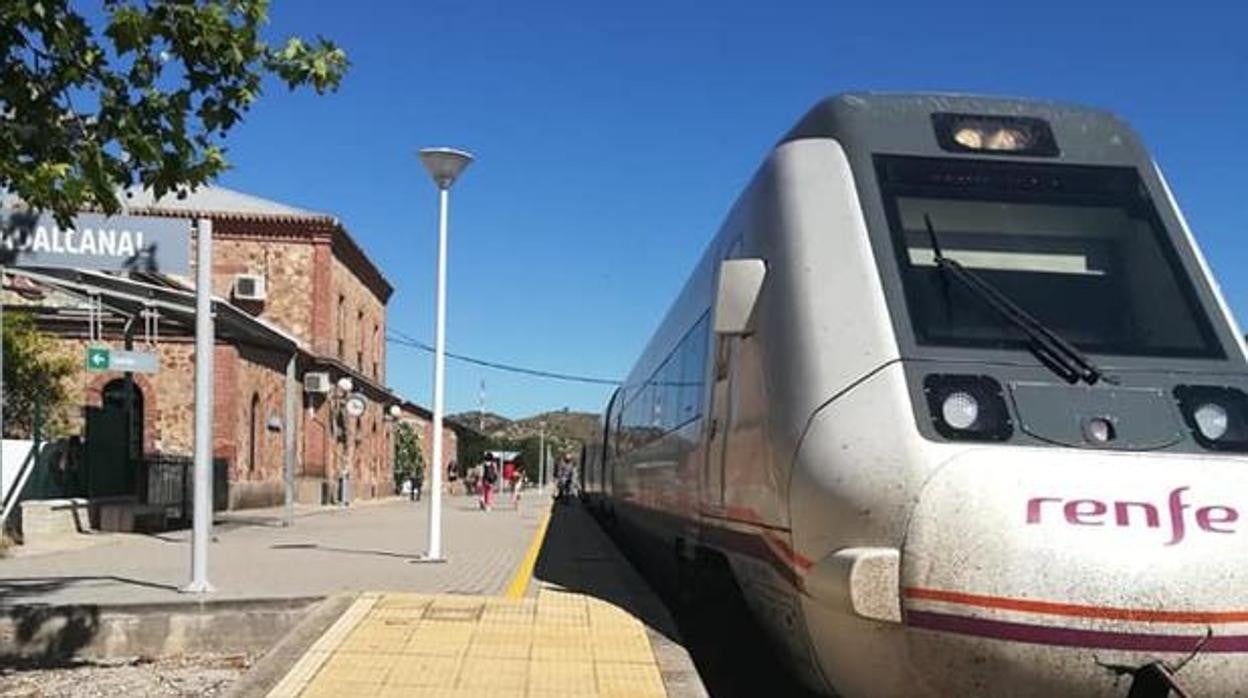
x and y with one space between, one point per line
541 462
444 166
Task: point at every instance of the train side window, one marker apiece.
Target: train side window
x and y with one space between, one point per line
693 370
635 419
680 369
671 391
654 398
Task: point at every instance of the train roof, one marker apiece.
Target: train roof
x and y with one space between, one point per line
903 123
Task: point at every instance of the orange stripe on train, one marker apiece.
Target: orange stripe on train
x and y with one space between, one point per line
1075 610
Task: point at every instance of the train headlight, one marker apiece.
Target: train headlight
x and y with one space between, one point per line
967 408
960 410
1211 420
994 134
1217 416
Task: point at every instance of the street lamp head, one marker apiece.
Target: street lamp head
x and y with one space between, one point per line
444 164
395 411
345 384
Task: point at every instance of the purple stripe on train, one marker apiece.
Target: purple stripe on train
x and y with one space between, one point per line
1072 637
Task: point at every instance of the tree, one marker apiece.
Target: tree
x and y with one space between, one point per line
408 459
148 100
34 378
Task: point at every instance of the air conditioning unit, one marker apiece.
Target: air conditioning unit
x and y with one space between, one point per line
249 287
316 382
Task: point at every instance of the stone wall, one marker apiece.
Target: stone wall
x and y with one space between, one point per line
256 473
368 447
286 266
358 323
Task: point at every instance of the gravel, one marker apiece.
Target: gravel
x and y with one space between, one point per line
189 675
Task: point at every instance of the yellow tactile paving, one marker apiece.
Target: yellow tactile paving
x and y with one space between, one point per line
559 644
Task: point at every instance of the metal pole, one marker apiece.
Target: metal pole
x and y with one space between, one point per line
204 342
439 375
1 368
541 462
15 483
289 441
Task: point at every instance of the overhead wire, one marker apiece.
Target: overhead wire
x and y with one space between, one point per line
396 337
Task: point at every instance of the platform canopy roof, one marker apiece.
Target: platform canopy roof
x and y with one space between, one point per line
131 297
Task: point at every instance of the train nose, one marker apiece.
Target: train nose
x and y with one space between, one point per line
1032 571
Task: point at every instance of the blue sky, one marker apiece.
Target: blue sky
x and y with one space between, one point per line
612 138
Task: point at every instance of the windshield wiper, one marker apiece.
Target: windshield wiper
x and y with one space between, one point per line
1054 352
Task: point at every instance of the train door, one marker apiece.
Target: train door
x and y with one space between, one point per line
720 418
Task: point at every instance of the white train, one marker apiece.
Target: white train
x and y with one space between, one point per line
955 396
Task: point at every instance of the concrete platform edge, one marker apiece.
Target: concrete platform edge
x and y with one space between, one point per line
266 673
43 633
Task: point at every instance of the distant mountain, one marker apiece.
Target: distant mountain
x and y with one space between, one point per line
486 423
562 426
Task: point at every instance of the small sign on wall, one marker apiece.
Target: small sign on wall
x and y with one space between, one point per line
102 359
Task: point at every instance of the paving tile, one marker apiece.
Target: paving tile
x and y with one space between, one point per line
340 689
554 644
498 651
436 646
494 643
558 635
494 674
401 601
354 667
565 676
629 679
438 672
376 642
562 653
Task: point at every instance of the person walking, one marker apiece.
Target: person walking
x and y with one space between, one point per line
517 485
565 474
509 475
418 484
452 475
489 478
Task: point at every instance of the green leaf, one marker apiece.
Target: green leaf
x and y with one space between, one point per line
145 98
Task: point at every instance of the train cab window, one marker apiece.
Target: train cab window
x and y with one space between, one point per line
1080 248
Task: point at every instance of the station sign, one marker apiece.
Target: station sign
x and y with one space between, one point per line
96 242
100 359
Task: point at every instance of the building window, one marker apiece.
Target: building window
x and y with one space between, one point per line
254 432
342 326
360 344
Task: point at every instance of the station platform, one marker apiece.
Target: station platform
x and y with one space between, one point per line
575 619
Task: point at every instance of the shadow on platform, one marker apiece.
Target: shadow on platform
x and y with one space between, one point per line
345 551
578 556
29 589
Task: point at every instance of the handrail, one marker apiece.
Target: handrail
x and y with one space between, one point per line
28 466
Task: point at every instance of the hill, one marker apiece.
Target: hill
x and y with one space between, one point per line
562 426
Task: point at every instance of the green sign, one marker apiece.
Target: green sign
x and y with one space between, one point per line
125 361
97 358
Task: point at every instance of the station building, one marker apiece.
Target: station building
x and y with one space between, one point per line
298 306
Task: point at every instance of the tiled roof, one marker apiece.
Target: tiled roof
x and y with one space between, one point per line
207 199
216 199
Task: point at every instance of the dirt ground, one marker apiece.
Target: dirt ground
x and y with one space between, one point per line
192 675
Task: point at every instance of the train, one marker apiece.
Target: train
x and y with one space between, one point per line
955 399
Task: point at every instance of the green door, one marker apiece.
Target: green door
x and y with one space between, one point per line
115 441
109 472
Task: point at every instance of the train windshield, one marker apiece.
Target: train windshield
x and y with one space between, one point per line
1079 248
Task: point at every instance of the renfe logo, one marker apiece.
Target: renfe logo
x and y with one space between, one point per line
1092 512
